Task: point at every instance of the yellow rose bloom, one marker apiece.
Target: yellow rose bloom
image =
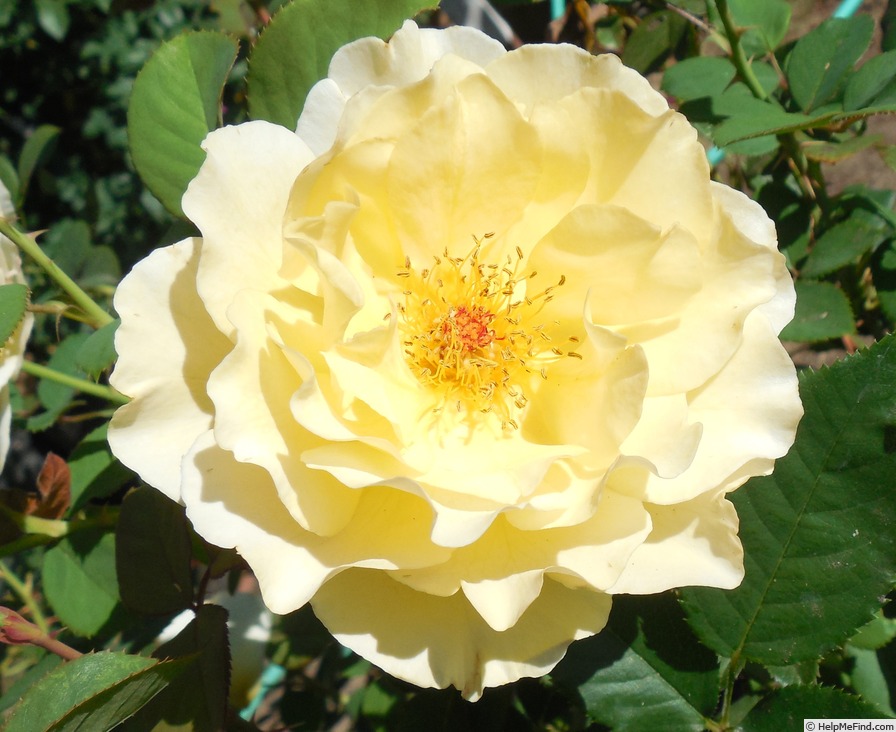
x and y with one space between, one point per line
476 347
13 351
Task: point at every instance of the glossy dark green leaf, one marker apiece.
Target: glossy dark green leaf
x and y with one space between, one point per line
96 473
79 580
94 692
834 151
37 148
817 534
53 17
56 397
844 243
870 679
174 105
822 313
765 23
153 553
199 701
645 670
823 58
786 708
883 272
13 304
873 84
295 49
97 353
699 76
655 37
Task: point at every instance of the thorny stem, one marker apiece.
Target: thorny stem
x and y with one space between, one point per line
732 671
97 317
83 385
25 595
809 186
738 57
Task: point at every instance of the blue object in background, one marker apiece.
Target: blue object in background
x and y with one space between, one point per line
558 7
846 8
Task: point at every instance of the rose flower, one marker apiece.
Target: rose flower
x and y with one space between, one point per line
12 352
475 348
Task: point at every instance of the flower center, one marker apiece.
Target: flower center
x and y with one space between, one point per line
471 332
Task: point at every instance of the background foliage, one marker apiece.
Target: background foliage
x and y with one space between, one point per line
786 107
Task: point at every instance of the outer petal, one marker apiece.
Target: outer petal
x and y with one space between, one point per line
234 504
238 200
370 62
502 573
692 543
12 352
442 641
749 413
251 390
167 348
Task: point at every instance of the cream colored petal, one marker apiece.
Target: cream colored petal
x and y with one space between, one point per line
319 121
538 74
238 200
167 347
740 275
13 351
651 165
442 641
408 56
751 220
749 412
693 543
486 161
592 553
370 64
592 402
234 504
251 390
666 436
5 424
634 271
565 169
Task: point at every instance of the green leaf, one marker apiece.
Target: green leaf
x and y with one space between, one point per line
869 678
13 304
200 699
14 693
68 243
79 579
37 148
655 37
295 49
843 244
9 178
56 397
699 76
95 692
786 708
53 17
765 22
884 275
821 60
822 313
875 634
834 152
96 473
174 105
97 353
873 84
645 670
819 550
153 554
